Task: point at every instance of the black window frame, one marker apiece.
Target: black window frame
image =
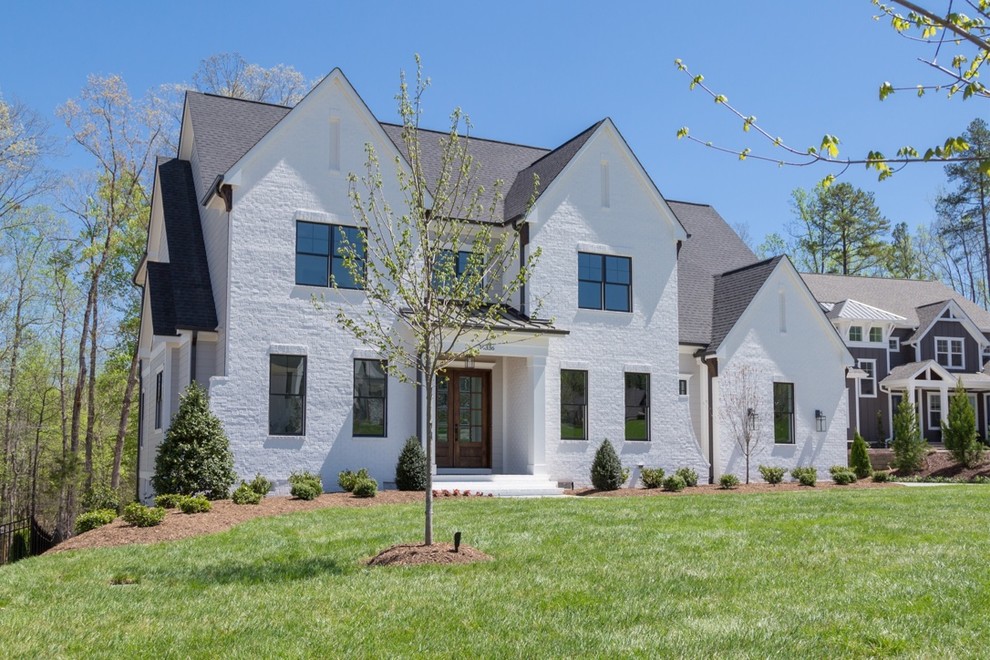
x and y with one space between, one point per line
357 397
583 406
646 408
604 282
783 413
159 386
682 387
332 255
302 395
461 259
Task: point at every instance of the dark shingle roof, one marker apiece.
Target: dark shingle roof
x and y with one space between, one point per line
734 291
711 248
183 284
902 297
225 128
926 316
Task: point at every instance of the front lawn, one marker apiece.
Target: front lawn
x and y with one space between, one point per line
799 574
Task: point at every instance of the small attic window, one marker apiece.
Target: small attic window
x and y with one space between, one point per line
606 202
782 305
334 146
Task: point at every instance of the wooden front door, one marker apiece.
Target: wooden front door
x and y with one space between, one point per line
463 419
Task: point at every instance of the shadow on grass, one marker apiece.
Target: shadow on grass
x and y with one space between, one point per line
288 569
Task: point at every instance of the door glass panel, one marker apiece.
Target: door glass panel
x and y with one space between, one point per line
441 418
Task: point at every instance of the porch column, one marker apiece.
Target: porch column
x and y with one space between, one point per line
536 462
944 397
917 408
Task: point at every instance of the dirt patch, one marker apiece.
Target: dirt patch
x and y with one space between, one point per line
715 488
225 514
939 463
438 553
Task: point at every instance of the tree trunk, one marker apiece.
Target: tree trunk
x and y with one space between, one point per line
37 453
91 395
9 484
986 240
428 375
125 414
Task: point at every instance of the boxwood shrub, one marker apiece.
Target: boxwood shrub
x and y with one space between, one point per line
365 488
652 477
674 483
689 476
93 519
140 515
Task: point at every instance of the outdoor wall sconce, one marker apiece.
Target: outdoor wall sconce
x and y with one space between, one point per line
820 421
470 363
751 418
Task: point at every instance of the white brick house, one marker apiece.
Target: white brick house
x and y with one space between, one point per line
241 238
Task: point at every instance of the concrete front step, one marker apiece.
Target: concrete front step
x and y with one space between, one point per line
499 485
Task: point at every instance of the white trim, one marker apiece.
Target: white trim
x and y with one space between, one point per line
575 365
636 368
872 378
849 337
869 334
950 352
288 349
929 397
895 342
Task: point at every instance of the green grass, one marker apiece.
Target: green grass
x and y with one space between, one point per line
799 574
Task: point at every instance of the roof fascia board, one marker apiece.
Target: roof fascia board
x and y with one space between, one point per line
809 298
963 318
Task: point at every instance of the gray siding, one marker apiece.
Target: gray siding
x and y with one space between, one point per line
972 356
873 412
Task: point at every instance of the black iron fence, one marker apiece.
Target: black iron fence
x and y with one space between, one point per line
23 538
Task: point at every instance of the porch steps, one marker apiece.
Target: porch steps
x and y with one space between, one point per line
499 485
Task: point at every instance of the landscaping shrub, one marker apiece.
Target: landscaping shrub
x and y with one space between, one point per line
101 498
140 515
194 504
806 476
881 476
410 470
606 470
260 485
689 476
652 477
959 430
771 474
909 447
347 479
859 458
365 488
93 519
728 481
195 455
20 545
844 477
838 468
244 494
168 500
674 483
305 485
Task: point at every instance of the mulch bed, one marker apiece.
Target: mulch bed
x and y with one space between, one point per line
224 515
438 553
715 488
939 463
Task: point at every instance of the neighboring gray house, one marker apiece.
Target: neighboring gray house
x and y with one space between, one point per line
910 338
657 310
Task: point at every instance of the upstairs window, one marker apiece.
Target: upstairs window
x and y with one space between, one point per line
320 250
457 265
573 404
604 282
370 398
949 352
894 344
876 335
868 385
783 413
856 333
158 400
637 406
287 395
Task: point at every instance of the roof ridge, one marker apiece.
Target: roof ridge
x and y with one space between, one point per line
471 137
235 98
575 137
681 201
876 277
748 266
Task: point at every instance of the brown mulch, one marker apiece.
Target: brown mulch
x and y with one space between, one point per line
224 515
715 488
939 463
438 553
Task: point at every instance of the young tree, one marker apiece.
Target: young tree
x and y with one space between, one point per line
908 445
959 430
741 400
859 458
420 314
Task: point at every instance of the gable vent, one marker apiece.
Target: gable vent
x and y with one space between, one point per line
606 202
334 143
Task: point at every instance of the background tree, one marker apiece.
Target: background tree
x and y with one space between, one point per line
421 315
24 148
742 400
901 258
229 74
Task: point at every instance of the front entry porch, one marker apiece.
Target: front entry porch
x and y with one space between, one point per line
483 482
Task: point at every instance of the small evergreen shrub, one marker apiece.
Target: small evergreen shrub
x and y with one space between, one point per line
606 470
101 498
347 479
909 447
859 458
168 500
365 488
959 430
305 485
798 471
244 494
195 455
652 477
807 476
728 481
93 519
194 504
689 476
771 474
844 477
881 476
674 483
410 470
140 515
260 485
838 468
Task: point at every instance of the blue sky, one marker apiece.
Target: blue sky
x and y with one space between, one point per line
540 72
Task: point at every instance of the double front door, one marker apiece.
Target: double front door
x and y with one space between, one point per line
463 419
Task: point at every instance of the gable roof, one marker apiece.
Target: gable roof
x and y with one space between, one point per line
853 309
733 292
181 293
901 297
911 370
927 315
712 248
